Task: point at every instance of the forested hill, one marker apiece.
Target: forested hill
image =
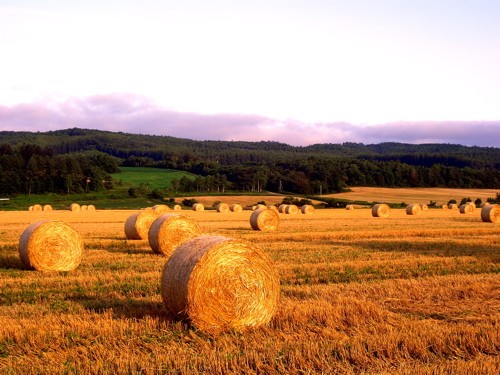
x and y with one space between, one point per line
267 165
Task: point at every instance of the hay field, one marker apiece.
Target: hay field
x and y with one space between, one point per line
414 195
404 294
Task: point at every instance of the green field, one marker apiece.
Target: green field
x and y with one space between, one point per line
154 178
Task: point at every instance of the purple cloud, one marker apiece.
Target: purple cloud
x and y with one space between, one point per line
136 114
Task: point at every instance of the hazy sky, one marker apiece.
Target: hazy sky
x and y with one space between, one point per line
296 71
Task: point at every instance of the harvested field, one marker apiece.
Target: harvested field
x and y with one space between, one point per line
405 295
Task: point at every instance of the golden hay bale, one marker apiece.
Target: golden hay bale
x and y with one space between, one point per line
170 230
83 207
37 207
307 209
177 207
466 209
258 207
423 207
291 209
236 207
48 245
452 206
281 208
222 207
484 204
381 210
220 284
198 207
491 213
161 208
272 207
265 220
413 209
444 206
47 207
90 207
30 208
74 207
137 225
349 207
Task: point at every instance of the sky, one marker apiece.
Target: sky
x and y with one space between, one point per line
298 71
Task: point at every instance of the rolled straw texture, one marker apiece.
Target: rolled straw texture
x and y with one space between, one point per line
220 284
291 209
491 213
198 207
381 210
307 209
222 207
137 225
466 209
74 207
161 208
264 220
236 207
170 230
47 207
177 207
48 245
413 209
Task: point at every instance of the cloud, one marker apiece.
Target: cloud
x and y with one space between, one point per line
131 113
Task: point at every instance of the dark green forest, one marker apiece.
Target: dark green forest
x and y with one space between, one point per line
80 160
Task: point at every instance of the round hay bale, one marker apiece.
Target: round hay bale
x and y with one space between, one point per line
177 207
47 207
349 207
170 230
491 213
90 207
37 207
222 207
198 207
466 209
264 220
236 207
83 207
291 209
484 204
452 206
48 245
137 225
74 207
444 206
423 207
259 207
271 207
413 209
281 208
381 210
161 208
30 208
307 209
220 284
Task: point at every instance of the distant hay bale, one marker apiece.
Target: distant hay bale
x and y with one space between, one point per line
37 207
137 225
90 207
236 207
484 204
74 207
307 209
281 208
265 220
444 206
198 207
291 209
381 210
48 245
161 208
466 209
413 209
349 207
83 207
177 207
272 207
491 213
222 207
170 230
452 206
258 207
220 284
47 207
30 208
424 207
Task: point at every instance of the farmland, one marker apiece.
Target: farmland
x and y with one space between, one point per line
404 294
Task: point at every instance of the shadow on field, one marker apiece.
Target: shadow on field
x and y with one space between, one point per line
446 248
11 261
124 308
